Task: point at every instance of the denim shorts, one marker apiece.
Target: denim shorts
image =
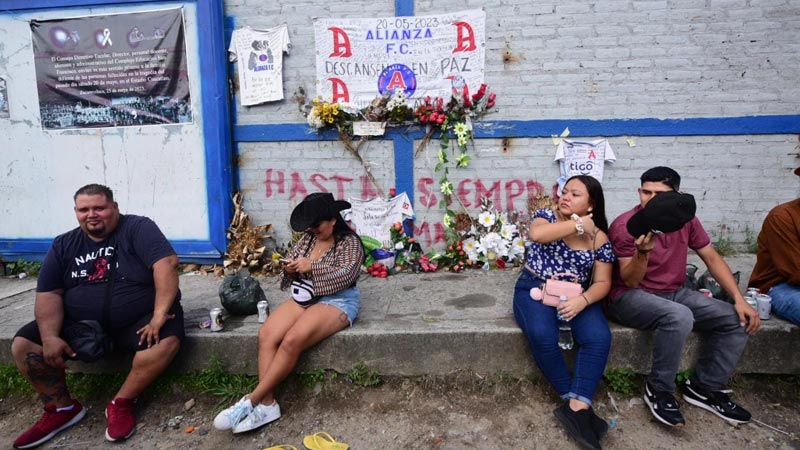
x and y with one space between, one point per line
346 301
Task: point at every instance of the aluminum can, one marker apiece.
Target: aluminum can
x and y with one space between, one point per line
705 292
216 319
263 311
753 291
764 306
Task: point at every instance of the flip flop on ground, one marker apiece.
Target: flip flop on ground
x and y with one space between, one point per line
323 441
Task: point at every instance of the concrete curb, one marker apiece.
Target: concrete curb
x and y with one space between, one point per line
415 325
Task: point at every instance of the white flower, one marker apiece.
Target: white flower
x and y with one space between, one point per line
313 118
508 231
349 108
399 246
517 247
486 218
398 99
494 243
470 247
482 247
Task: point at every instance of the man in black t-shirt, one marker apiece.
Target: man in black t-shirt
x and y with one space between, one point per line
144 312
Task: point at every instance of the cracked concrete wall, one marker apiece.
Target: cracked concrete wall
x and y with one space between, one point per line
157 171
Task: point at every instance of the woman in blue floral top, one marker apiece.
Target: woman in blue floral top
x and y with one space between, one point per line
572 238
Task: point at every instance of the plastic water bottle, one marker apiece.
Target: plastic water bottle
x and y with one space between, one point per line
564 330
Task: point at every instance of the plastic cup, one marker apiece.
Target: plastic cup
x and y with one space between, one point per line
764 303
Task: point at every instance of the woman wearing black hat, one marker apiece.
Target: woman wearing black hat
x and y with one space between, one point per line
322 271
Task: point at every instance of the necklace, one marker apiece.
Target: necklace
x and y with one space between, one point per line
319 249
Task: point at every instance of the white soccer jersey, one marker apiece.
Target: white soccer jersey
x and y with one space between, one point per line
259 62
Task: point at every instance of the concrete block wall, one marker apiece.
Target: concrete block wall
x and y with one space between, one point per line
736 180
573 60
276 176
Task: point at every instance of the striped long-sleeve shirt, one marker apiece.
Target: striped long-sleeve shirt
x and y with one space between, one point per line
336 270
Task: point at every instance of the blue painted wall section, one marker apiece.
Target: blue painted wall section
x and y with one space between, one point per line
216 127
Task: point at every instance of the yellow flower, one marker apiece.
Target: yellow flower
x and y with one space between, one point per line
446 187
447 221
460 129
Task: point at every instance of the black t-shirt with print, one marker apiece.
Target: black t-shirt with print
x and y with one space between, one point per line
79 266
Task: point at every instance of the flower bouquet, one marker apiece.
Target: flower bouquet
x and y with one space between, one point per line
491 240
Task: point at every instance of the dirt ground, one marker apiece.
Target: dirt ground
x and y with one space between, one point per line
463 411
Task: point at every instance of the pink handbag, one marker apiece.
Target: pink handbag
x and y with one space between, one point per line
555 287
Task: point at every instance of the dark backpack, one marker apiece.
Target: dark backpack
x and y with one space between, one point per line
707 281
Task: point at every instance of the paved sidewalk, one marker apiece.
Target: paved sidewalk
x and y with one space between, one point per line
409 324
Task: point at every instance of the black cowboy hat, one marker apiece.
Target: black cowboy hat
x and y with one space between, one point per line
664 213
315 207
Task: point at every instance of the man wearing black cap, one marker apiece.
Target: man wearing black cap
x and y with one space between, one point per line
651 242
777 270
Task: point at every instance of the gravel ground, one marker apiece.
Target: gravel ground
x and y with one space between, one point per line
462 411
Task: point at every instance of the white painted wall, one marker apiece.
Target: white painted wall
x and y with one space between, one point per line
156 171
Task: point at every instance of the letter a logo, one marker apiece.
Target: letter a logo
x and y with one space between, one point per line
396 82
465 36
339 89
341 43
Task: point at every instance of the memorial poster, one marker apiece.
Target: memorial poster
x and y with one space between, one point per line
112 70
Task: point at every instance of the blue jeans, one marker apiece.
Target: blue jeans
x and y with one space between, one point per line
786 301
540 326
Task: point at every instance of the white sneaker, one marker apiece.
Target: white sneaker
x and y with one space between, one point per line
260 416
230 417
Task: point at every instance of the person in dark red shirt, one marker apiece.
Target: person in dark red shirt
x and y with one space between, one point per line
647 293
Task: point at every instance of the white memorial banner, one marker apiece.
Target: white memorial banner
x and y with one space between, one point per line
359 59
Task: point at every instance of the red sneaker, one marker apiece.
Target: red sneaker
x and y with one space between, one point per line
120 419
50 424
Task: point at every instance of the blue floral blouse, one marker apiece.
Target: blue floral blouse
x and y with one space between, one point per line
555 257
